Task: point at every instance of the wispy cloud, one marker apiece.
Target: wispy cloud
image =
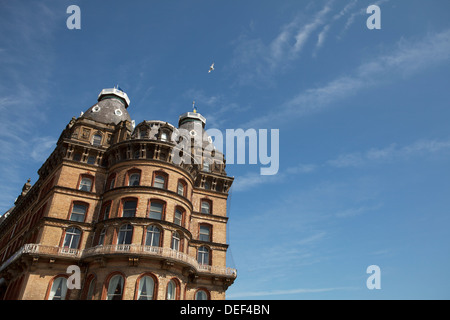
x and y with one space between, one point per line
388 154
407 58
258 61
262 293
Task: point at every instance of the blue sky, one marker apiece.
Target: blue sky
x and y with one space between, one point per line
363 115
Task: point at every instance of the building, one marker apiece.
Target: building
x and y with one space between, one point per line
111 201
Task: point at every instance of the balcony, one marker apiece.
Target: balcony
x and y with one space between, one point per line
134 249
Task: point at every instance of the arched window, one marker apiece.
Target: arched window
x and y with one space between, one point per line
92 280
86 183
106 211
129 208
78 212
110 183
172 290
160 180
97 139
125 234
201 295
163 136
101 238
115 288
146 288
176 240
156 210
205 206
72 238
205 233
133 179
181 188
203 256
153 236
59 289
178 217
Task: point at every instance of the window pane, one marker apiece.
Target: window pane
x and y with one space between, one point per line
180 189
175 241
146 287
201 295
204 233
178 217
59 289
115 288
106 212
129 208
171 290
97 140
78 212
156 210
203 255
91 160
153 234
159 182
134 179
205 207
125 234
72 238
85 184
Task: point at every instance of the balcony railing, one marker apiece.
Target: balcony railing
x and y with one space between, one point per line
159 252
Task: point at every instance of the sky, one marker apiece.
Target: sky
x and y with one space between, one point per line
362 114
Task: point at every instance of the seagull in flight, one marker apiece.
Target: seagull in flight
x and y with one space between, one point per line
211 68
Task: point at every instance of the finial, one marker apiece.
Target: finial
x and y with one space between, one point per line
193 107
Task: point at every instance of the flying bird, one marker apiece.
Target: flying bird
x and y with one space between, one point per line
211 68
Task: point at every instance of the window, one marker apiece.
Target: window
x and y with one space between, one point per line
101 238
156 210
78 212
159 181
72 238
176 241
201 295
133 179
77 156
125 234
129 208
143 134
85 183
205 233
106 211
203 255
207 185
115 288
90 292
97 139
59 289
181 188
111 181
205 206
91 159
206 166
153 236
163 136
146 288
178 217
171 290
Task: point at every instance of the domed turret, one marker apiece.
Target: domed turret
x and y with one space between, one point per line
111 107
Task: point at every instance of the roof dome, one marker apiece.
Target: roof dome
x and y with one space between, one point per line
111 107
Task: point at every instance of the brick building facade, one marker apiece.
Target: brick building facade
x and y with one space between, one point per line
111 200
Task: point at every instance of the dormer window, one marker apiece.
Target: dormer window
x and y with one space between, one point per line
97 139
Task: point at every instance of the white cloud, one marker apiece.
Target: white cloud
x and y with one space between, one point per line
406 59
279 292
